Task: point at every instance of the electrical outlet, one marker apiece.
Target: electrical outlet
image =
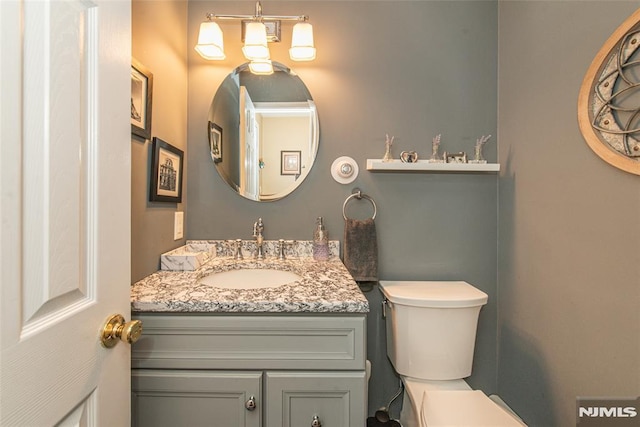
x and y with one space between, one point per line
178 226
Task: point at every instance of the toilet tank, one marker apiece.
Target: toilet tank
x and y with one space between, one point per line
431 327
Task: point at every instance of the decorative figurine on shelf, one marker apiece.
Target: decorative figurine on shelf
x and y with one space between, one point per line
387 154
479 157
435 146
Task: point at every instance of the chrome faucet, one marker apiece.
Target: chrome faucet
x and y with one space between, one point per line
258 228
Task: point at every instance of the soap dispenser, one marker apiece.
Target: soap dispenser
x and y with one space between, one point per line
320 242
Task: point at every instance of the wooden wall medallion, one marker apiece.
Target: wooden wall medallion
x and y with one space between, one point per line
609 100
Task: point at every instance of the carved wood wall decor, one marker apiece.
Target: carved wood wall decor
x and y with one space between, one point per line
609 99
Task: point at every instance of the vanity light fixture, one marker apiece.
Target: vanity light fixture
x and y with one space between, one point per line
210 44
302 47
255 42
257 30
262 67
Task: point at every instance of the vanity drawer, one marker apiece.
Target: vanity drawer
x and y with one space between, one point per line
179 341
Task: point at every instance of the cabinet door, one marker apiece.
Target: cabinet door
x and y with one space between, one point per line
337 399
195 398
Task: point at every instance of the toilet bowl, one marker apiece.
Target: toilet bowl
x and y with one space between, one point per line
431 330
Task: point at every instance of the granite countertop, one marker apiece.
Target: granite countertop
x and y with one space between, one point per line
325 287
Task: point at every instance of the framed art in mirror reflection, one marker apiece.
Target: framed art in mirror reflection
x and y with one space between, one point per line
290 162
215 142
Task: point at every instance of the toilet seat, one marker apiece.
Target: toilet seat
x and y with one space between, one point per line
456 407
462 408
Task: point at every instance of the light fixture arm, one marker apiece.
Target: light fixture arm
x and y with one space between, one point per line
258 16
258 8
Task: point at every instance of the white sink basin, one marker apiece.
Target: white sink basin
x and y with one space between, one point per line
250 278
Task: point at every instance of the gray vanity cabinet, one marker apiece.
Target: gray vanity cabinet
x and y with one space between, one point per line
301 370
174 398
324 398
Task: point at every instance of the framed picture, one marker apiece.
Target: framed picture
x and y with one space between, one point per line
290 162
166 172
215 142
460 157
141 96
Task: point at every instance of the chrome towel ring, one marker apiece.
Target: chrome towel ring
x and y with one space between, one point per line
359 195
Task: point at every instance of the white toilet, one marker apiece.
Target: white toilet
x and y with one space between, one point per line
431 332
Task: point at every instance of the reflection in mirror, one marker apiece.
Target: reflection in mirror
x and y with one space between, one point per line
263 132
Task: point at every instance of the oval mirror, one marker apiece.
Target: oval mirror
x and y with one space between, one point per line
263 132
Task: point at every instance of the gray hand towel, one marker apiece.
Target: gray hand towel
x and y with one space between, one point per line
361 249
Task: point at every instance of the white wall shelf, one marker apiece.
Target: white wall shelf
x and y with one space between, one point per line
376 165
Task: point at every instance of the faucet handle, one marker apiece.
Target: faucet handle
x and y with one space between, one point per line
238 250
281 249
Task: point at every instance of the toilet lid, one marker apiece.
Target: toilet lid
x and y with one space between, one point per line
463 408
433 293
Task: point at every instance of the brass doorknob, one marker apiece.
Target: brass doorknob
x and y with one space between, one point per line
115 328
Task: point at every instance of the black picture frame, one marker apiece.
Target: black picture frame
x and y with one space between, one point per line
290 162
167 162
215 142
141 99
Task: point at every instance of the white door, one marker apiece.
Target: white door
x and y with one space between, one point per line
65 210
249 154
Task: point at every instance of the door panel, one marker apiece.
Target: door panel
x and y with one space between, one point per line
65 211
58 214
80 416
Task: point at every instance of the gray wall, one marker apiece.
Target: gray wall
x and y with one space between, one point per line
568 263
569 272
159 42
410 69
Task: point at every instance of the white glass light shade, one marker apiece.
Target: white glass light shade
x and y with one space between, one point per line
261 67
210 44
302 48
255 41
